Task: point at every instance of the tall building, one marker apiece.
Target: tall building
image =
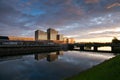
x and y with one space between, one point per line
52 34
40 35
60 37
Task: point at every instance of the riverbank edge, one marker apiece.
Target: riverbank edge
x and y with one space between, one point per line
108 70
20 50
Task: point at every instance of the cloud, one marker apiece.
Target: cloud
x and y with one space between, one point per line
70 17
91 1
113 5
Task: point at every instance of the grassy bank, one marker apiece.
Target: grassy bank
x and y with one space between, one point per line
108 70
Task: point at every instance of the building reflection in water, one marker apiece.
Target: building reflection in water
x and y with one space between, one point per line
59 52
52 56
40 56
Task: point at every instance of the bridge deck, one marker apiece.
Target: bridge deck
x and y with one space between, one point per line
98 44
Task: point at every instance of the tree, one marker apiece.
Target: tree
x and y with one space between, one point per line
115 40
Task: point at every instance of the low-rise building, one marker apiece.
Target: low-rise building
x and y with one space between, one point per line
71 40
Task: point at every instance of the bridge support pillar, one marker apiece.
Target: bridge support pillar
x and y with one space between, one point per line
95 48
82 48
112 49
115 49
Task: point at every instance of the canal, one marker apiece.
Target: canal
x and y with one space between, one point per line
49 66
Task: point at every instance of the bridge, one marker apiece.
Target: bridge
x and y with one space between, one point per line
30 46
115 47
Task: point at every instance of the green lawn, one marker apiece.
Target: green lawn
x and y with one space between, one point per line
108 70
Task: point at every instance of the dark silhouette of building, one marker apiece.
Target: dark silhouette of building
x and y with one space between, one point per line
4 38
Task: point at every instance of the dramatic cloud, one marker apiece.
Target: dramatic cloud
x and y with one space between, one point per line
92 1
73 18
114 5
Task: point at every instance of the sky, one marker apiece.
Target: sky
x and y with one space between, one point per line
84 20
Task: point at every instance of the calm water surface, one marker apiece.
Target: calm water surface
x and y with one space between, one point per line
49 66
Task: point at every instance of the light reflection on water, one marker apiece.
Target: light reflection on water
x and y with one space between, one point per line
105 48
49 66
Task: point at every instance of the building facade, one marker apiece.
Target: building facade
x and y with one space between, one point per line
14 38
52 34
40 35
71 40
60 37
65 40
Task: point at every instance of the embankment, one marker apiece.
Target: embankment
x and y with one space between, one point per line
108 70
17 50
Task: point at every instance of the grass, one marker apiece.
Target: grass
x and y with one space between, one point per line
108 70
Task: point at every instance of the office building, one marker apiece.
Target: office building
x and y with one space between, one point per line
71 40
40 35
60 37
52 34
65 40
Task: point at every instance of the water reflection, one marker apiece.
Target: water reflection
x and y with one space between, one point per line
40 56
49 66
52 56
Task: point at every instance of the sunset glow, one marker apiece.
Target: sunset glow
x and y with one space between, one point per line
84 20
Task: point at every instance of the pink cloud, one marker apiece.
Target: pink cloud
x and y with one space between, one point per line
91 1
113 5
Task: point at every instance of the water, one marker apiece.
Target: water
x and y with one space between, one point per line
105 48
99 48
49 66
